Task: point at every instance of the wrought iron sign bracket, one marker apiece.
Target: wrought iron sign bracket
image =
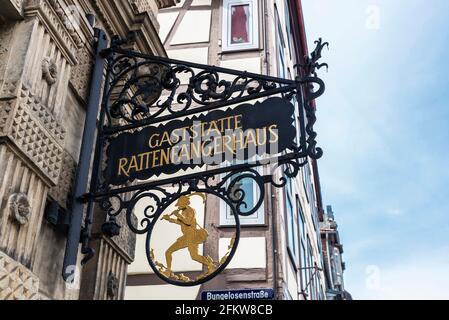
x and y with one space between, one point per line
161 118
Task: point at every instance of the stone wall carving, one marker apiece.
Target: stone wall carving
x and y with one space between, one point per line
3 47
140 6
69 20
18 4
6 32
19 208
55 26
43 114
16 281
99 284
126 240
166 3
49 71
80 77
35 130
6 109
63 190
9 89
35 141
146 5
52 49
16 240
112 287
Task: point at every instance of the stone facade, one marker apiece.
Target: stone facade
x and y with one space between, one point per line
16 281
46 58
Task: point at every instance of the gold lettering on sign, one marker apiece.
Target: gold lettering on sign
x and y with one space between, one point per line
199 141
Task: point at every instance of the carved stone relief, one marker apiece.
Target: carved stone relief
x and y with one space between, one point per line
126 240
49 71
36 143
55 26
140 6
3 48
112 286
45 116
6 109
16 281
19 208
69 20
6 31
80 76
63 190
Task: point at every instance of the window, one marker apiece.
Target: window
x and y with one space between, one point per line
288 27
240 25
314 288
292 235
311 270
280 47
304 264
306 181
301 220
302 237
305 272
292 224
252 193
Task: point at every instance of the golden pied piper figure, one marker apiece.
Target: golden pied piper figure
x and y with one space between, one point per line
192 235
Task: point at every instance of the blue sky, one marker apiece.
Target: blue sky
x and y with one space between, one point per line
384 126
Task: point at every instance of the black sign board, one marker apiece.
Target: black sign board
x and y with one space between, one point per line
240 133
151 124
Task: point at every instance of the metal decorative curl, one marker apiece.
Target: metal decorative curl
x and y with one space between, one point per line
309 67
143 90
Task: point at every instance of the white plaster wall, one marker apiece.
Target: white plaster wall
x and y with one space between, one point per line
201 2
166 21
252 64
251 253
194 28
196 55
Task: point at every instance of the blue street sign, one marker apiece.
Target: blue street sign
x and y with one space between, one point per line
247 294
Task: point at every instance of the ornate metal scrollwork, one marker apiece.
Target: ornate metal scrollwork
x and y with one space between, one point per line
310 81
144 90
311 64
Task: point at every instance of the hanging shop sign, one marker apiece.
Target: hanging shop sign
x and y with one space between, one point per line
154 128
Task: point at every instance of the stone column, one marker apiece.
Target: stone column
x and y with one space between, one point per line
46 56
37 55
104 278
